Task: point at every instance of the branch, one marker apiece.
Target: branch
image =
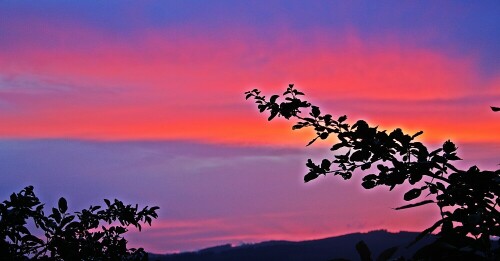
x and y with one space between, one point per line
434 176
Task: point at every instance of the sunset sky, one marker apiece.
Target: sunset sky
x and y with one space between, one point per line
143 101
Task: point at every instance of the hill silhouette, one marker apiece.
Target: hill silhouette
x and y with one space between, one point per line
339 247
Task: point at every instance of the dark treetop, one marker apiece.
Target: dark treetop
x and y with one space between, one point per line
96 233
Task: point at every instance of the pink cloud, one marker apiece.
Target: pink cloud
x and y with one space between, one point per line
173 235
166 84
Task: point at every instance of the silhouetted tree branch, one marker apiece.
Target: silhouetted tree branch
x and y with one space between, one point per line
468 199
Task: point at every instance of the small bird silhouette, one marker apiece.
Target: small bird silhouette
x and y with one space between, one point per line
495 108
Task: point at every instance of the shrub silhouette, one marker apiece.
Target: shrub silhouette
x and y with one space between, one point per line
78 236
467 199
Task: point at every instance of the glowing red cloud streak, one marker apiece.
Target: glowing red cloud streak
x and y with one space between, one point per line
210 232
191 87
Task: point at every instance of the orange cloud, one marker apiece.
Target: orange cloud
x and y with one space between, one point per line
172 86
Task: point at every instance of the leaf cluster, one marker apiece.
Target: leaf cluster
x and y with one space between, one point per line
96 233
467 199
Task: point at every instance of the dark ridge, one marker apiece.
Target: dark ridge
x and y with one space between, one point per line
340 247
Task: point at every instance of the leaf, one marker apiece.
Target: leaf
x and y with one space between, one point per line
325 164
427 231
13 197
387 254
366 166
273 114
273 98
11 237
449 147
495 108
32 239
312 141
435 152
346 175
342 118
439 159
310 164
248 96
415 205
412 194
370 177
360 155
415 177
452 167
66 220
363 251
315 111
63 205
310 176
311 120
417 134
397 134
337 146
328 119
56 215
452 156
382 168
73 225
23 230
368 184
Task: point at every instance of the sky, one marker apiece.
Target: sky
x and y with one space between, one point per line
143 101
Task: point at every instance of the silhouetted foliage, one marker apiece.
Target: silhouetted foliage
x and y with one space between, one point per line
467 199
366 255
495 108
364 251
65 236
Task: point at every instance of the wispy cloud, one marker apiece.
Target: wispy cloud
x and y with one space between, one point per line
168 84
211 194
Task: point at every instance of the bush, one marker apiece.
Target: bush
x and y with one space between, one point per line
95 233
